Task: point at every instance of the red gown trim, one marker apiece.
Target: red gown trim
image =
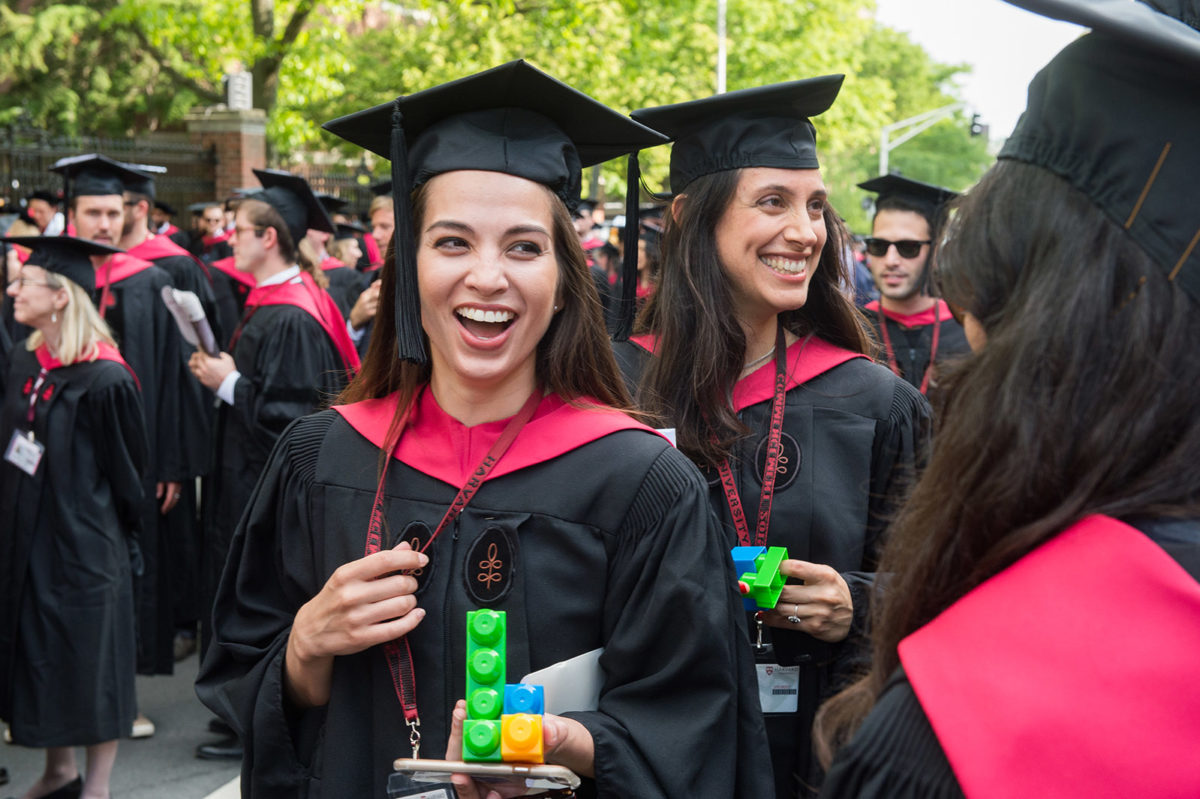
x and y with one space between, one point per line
229 267
1072 673
306 295
105 352
331 263
806 359
921 319
119 266
374 256
442 447
160 246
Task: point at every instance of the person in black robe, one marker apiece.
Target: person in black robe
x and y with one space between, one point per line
748 321
71 495
290 355
918 331
187 273
591 532
1039 635
128 293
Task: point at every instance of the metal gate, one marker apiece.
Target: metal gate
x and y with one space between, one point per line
26 155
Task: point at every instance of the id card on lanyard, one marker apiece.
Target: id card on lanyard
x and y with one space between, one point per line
778 686
24 450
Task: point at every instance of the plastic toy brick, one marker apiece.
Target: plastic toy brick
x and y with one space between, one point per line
481 740
485 663
523 698
761 585
521 738
744 558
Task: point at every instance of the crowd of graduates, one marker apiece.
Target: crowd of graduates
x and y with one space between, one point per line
306 439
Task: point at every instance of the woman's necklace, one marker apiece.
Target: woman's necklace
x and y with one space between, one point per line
760 359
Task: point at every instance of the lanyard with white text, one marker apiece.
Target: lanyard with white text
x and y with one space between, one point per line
891 356
774 450
398 653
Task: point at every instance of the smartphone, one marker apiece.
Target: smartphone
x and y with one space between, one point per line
533 775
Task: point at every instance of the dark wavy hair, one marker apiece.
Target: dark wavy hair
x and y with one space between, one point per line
701 344
574 357
1082 401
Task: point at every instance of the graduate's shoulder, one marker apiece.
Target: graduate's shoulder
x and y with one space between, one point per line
862 386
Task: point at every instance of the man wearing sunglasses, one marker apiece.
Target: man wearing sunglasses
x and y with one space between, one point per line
917 330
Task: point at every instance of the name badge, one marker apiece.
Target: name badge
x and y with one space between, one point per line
778 687
24 452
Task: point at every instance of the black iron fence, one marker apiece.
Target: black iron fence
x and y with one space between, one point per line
26 155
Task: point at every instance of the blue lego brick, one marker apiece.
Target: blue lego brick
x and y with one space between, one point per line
524 698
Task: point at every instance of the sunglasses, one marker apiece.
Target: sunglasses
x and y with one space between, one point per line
908 248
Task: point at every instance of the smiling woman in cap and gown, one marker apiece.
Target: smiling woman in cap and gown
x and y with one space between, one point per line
590 531
751 352
1040 635
71 497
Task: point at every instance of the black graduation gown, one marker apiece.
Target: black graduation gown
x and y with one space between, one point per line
896 754
189 274
67 641
179 447
289 367
852 437
608 544
345 284
911 345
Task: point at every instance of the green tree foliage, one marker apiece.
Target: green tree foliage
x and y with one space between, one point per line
118 67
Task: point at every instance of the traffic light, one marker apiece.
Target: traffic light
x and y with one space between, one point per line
976 126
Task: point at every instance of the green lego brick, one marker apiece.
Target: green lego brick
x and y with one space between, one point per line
766 584
481 740
486 664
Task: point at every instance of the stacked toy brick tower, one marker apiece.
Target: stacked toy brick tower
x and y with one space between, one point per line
504 721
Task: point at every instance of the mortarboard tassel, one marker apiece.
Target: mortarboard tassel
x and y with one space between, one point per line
629 264
410 342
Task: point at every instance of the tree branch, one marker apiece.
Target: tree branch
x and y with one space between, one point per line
279 47
205 92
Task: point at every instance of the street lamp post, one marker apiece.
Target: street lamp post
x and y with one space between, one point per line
911 127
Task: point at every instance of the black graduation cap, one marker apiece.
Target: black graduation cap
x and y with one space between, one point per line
382 187
293 198
928 198
332 203
766 126
64 255
144 183
166 208
45 195
1116 115
349 230
198 208
97 175
513 118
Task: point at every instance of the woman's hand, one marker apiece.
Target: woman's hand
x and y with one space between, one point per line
365 602
823 603
565 742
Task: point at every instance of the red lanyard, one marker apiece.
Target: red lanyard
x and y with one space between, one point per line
33 397
774 450
891 356
398 652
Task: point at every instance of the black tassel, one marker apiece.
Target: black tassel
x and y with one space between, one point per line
629 270
410 341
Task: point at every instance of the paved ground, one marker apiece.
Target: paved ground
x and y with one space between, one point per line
164 765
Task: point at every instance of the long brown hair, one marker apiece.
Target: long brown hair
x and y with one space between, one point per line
574 357
701 344
1082 401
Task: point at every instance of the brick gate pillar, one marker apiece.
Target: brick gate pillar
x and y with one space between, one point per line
239 139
